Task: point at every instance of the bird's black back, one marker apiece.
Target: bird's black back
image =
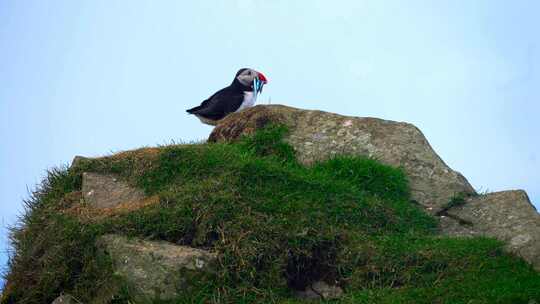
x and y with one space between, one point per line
222 103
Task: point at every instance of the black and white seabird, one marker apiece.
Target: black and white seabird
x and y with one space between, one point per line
241 94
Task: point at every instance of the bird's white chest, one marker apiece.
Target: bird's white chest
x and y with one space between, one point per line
249 100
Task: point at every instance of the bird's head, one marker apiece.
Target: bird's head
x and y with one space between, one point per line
251 78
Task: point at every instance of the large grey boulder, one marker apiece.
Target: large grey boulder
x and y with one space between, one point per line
156 269
317 135
508 216
108 191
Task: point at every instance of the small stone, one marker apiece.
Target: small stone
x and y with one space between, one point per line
348 123
65 299
320 290
199 263
327 292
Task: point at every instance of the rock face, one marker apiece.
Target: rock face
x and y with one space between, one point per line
317 135
508 216
454 227
77 160
107 191
156 269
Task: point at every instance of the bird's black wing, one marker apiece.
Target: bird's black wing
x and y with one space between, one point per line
220 104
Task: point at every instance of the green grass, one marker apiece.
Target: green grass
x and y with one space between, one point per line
457 200
275 224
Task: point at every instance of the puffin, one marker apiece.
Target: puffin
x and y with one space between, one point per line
242 93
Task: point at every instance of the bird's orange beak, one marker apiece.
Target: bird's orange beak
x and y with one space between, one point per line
262 78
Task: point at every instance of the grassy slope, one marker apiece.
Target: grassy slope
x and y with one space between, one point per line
275 225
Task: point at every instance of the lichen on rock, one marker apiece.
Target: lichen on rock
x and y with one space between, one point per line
106 190
507 216
155 269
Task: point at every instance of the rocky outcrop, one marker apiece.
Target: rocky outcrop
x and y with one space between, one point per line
156 269
108 191
78 160
508 216
317 135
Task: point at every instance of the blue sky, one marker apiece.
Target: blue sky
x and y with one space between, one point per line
95 77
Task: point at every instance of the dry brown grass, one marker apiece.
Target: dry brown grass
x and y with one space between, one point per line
88 214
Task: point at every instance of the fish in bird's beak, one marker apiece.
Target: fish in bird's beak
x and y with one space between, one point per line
259 82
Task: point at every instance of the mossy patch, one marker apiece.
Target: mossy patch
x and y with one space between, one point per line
275 224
